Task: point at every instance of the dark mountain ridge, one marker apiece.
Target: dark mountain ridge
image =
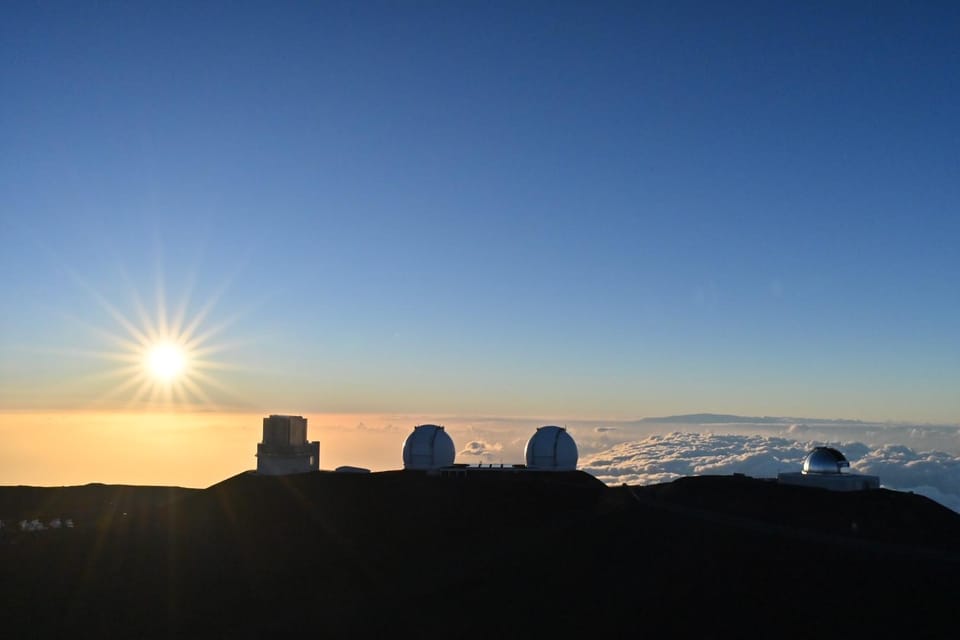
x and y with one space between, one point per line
488 554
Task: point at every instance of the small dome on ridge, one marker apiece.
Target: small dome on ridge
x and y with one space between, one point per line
824 460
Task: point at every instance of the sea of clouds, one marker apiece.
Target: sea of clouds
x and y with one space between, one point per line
922 458
665 457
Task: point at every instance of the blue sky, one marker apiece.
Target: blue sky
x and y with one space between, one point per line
578 209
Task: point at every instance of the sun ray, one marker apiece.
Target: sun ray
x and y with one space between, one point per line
180 394
219 386
156 391
115 313
118 372
164 356
116 391
131 358
117 340
145 386
148 325
219 346
201 315
180 315
199 340
161 297
141 309
199 393
130 382
212 365
69 352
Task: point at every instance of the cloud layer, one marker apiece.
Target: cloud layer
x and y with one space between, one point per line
662 458
481 448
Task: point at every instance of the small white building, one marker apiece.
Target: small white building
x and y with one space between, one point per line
285 449
823 468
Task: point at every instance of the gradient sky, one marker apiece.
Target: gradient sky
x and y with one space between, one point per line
557 209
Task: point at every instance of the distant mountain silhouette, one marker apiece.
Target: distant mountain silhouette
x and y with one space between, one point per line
487 555
720 418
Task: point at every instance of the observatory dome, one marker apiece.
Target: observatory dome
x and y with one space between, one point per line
824 460
552 448
428 447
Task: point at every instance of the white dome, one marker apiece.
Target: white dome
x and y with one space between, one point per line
824 460
552 448
428 447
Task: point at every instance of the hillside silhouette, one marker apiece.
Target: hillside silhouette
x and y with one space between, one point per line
489 554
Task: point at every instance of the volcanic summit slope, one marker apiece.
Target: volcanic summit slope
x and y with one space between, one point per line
487 554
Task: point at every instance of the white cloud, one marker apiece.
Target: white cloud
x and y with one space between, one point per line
661 458
935 474
386 428
481 448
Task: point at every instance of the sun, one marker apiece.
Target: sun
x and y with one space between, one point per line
166 361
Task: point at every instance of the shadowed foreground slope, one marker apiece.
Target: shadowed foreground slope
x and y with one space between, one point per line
486 555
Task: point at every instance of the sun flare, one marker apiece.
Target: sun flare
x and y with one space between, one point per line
161 359
166 361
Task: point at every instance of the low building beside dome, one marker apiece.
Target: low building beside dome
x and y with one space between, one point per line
823 469
285 449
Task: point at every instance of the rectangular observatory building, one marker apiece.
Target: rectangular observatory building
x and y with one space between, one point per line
285 448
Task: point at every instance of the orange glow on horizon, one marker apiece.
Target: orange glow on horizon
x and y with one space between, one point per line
175 447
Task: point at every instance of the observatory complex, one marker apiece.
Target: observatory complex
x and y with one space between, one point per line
285 449
823 468
430 448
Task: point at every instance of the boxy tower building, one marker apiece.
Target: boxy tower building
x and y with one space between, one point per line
285 449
